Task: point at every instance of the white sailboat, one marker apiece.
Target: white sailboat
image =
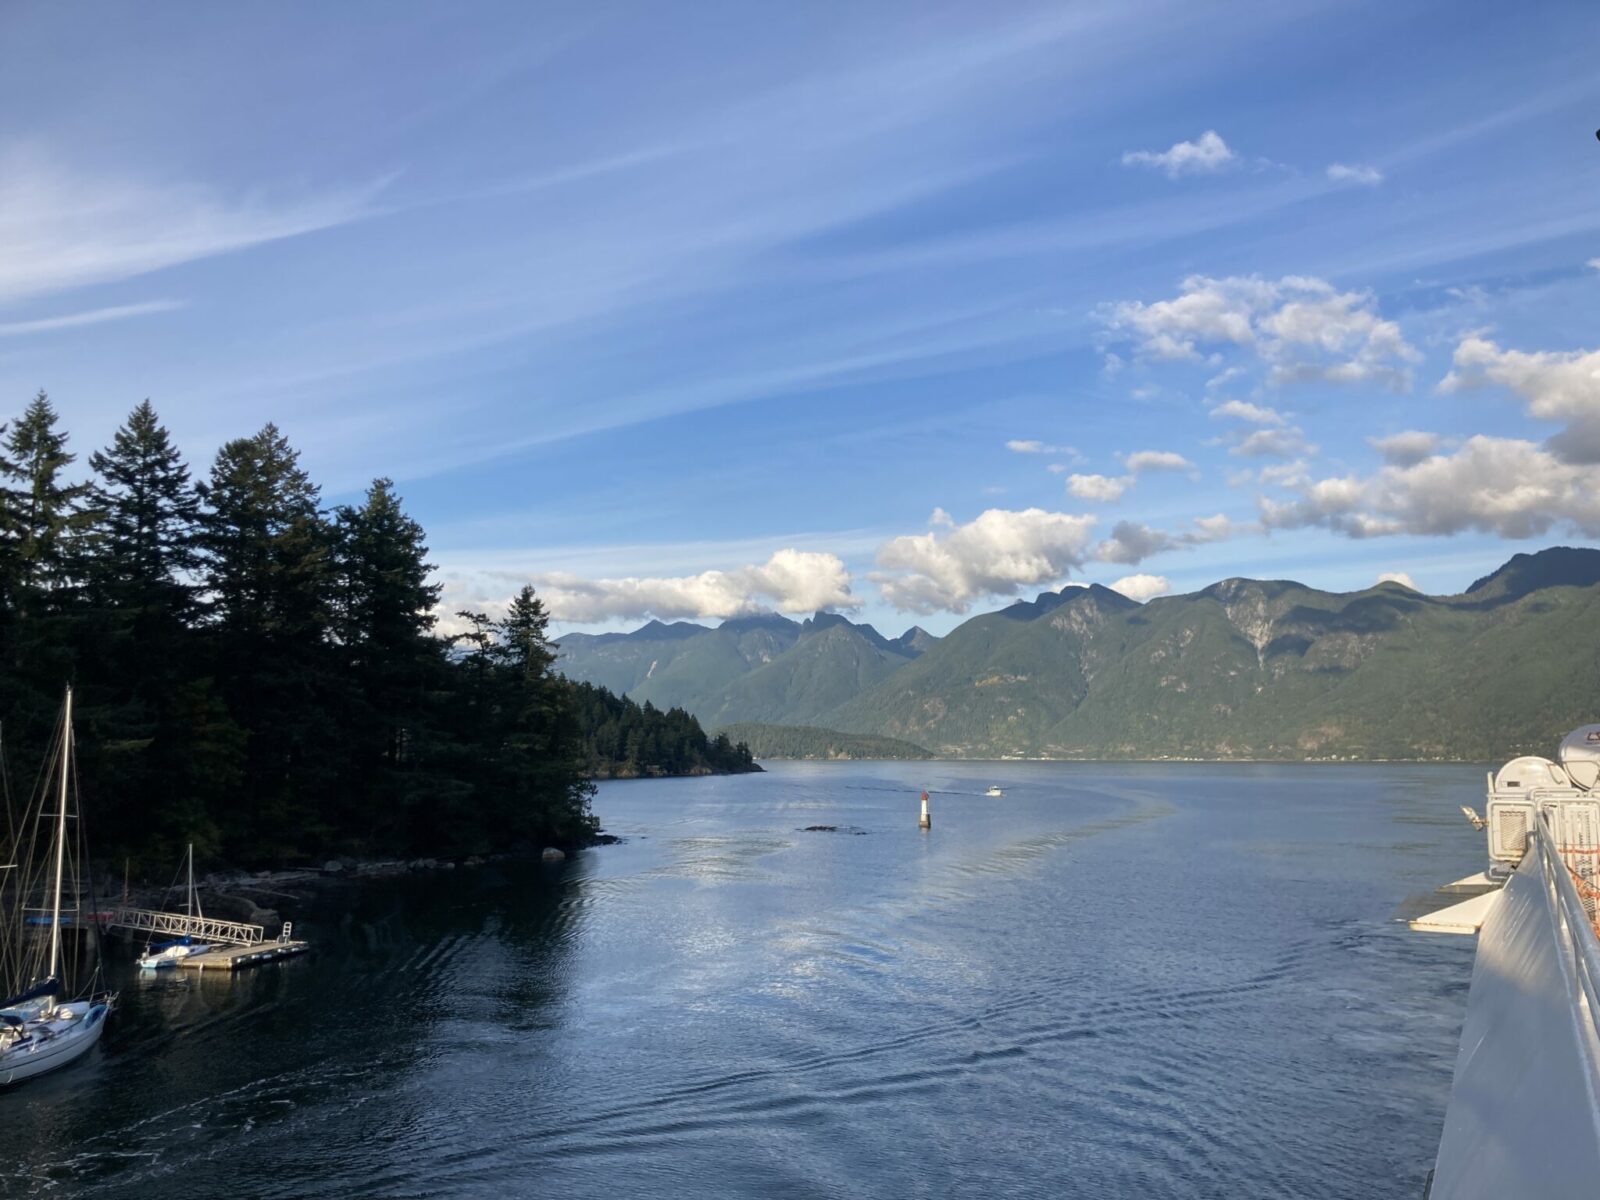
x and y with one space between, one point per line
39 1029
167 954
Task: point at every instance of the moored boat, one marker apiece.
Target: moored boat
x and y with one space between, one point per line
41 1029
168 954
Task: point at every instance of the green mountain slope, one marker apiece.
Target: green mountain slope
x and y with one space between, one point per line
827 667
807 741
762 668
1262 669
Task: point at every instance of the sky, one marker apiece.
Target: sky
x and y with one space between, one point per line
902 310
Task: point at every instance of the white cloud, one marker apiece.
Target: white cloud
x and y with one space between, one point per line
1503 486
1289 475
998 553
1289 442
1301 327
1142 587
1243 410
1207 153
1355 173
791 581
1407 447
1223 377
94 316
1595 263
1133 541
1399 577
1099 487
1555 386
1157 460
1211 529
1030 446
63 229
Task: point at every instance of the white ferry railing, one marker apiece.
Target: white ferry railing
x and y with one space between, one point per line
179 925
1580 949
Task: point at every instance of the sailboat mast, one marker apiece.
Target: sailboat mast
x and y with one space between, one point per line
188 905
61 837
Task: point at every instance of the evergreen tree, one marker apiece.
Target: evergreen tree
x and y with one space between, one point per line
267 558
543 743
148 513
384 627
264 543
41 511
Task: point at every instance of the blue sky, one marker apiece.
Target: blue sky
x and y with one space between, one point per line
685 310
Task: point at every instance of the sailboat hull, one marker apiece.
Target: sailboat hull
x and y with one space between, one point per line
37 1057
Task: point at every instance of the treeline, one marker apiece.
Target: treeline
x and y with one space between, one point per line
806 741
259 674
621 739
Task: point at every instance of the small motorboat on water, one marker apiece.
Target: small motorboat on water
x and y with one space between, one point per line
994 790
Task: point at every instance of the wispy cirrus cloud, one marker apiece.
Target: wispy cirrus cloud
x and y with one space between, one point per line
65 228
93 316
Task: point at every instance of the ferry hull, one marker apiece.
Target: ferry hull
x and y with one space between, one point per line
1523 1117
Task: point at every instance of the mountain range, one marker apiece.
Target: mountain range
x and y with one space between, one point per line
1244 668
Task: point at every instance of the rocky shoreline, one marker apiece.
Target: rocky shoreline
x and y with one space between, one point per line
256 897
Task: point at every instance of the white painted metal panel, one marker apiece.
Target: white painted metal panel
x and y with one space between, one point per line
1524 1116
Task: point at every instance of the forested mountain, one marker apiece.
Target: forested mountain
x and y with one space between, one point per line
1264 669
761 668
1243 669
260 675
624 740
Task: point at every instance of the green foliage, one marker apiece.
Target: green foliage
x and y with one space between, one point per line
806 741
624 740
260 676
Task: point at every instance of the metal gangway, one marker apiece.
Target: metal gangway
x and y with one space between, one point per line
207 929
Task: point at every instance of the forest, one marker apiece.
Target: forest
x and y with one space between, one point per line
624 740
261 675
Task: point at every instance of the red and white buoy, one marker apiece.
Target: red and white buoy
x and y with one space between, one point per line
924 821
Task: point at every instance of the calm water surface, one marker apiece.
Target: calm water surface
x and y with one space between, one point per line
1118 981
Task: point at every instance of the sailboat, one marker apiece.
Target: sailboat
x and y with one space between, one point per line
40 1029
167 954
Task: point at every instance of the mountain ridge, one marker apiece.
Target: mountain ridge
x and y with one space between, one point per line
1243 668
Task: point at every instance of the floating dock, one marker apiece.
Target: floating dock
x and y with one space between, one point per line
231 958
234 944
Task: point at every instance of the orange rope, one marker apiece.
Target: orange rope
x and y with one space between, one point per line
1588 889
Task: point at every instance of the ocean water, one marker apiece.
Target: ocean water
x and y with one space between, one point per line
1117 981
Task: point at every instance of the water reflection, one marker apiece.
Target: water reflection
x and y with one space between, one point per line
287 1060
1115 981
